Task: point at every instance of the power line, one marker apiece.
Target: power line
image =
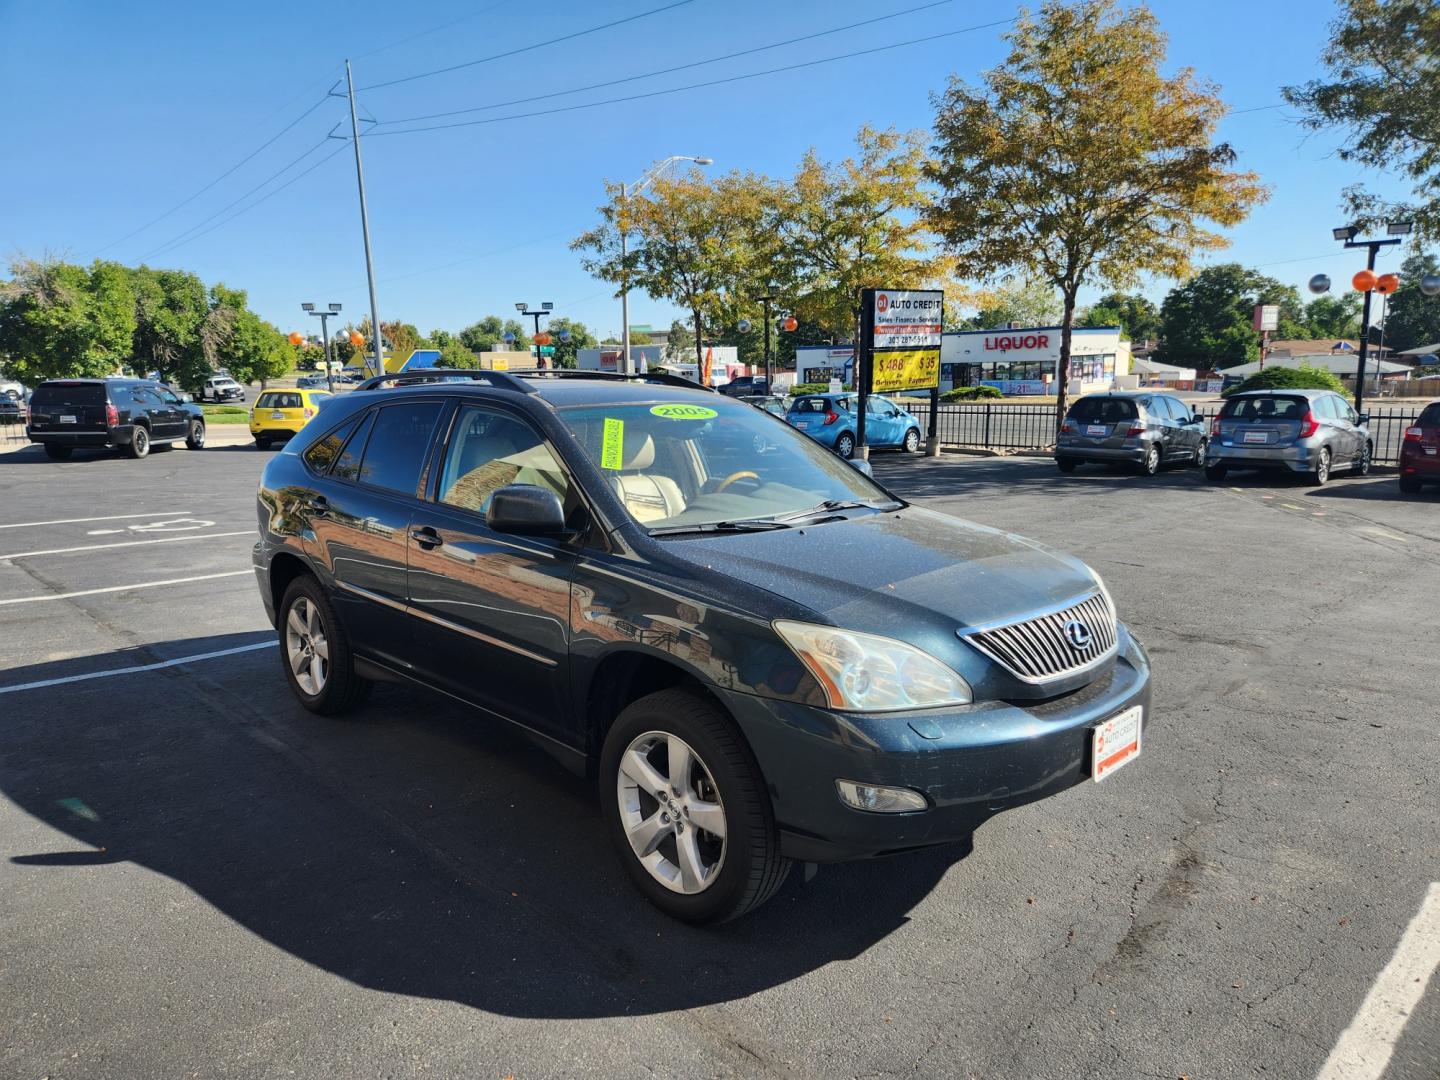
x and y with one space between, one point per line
245 210
699 85
179 238
527 48
432 30
186 202
669 70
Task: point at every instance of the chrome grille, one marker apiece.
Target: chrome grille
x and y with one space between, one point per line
1044 648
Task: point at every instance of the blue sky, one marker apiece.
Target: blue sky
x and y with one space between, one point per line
117 112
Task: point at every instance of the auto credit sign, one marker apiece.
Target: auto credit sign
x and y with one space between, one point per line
905 328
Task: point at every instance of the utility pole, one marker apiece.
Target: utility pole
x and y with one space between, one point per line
377 338
767 298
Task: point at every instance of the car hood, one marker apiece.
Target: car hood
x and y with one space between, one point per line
915 575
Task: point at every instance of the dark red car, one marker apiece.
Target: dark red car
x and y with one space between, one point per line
1420 452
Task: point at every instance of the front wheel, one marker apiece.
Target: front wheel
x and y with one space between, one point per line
1362 467
1150 465
912 441
687 809
845 446
195 438
1201 451
1322 467
315 652
139 442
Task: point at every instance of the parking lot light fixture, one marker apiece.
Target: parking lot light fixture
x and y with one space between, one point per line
1372 247
324 317
1345 232
1400 228
545 308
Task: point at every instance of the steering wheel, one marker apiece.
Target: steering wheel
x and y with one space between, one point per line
743 474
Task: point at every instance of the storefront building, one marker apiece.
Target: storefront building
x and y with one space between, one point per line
1025 361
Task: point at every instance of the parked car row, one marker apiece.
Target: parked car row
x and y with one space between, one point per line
1310 432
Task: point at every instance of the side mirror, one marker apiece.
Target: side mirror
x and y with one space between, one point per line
863 466
526 510
1364 418
185 396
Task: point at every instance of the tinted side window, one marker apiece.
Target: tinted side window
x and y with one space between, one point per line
1431 416
144 398
1102 410
69 394
323 454
348 466
398 444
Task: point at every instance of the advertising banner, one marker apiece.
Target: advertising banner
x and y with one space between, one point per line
906 326
906 369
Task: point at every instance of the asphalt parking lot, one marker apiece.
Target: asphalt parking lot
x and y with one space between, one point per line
198 878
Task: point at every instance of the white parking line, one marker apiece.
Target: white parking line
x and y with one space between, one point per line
78 521
122 588
137 668
1365 1046
127 543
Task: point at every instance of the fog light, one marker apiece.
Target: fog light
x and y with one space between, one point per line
880 800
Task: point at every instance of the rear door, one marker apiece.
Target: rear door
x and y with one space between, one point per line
1103 421
1349 419
492 610
69 406
1184 435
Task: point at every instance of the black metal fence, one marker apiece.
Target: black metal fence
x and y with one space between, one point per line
1007 426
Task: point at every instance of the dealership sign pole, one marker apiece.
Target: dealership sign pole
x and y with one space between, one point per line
900 350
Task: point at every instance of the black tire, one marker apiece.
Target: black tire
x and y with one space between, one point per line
1151 465
912 441
845 446
1362 467
139 442
262 442
195 437
1321 473
55 452
1410 485
1066 465
1215 472
1200 452
342 690
753 868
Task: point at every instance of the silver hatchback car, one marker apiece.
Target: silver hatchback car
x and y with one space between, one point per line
1300 431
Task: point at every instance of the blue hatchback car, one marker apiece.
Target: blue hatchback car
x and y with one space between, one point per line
829 419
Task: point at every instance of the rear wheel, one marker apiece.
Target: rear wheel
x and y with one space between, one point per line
1150 465
1410 485
139 442
1215 472
1321 472
195 439
688 811
58 453
912 441
262 442
1066 465
315 652
845 446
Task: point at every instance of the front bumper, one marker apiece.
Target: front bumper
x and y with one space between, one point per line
970 763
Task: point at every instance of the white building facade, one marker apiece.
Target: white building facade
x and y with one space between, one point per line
1026 361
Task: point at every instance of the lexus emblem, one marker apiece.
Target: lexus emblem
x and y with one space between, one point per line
1078 635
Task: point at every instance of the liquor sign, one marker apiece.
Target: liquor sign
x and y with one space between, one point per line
905 329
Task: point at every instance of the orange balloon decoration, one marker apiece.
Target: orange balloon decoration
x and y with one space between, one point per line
356 338
296 337
543 338
790 322
1387 283
1364 281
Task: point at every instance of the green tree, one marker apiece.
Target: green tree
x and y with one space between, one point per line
1285 378
1380 94
1333 316
1079 160
1413 318
581 337
1209 320
59 320
490 333
1137 317
854 224
1031 303
177 331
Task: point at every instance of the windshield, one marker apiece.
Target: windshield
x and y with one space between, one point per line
1431 416
679 463
1103 410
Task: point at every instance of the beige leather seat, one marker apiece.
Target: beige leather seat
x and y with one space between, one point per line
648 496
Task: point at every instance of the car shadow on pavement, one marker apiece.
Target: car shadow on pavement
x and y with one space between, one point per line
955 474
415 848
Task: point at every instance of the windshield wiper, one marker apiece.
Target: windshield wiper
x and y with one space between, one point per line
830 506
742 525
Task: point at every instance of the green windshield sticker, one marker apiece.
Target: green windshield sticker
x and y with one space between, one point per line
612 447
684 412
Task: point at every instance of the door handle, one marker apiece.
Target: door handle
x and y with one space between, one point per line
318 505
426 537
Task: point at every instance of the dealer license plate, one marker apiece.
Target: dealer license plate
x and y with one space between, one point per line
67 419
1257 436
1115 743
1096 429
277 416
802 424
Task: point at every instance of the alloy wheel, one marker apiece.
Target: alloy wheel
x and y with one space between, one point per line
845 447
1152 461
306 646
671 811
1322 467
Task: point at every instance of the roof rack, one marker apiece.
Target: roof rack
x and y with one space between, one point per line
663 377
500 380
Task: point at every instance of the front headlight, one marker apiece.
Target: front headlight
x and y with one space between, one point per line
866 673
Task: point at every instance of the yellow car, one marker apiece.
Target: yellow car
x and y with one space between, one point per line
279 414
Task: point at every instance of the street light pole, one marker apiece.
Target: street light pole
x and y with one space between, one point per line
1398 230
376 336
544 310
767 298
628 191
324 317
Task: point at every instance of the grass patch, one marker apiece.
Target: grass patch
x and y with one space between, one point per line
226 414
